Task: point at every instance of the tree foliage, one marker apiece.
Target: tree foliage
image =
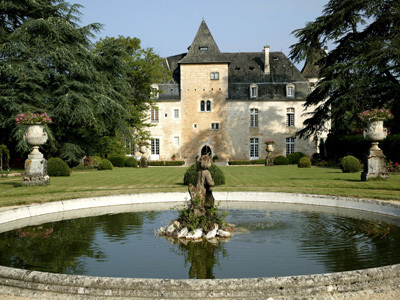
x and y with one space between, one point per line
362 71
48 64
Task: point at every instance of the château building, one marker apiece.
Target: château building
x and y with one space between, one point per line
228 104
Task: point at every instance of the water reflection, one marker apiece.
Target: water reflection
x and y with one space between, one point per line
272 242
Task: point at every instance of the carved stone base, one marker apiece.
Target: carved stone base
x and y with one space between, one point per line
35 170
269 160
143 162
375 165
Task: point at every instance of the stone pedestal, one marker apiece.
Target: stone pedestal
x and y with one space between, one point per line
374 165
269 160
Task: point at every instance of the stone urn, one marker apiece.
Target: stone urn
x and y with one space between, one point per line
269 161
270 148
35 136
36 164
375 132
375 161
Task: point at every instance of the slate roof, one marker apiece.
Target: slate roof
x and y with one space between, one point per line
203 49
245 68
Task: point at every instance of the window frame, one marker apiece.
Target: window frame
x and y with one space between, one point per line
214 76
176 141
155 146
290 115
215 126
254 148
208 106
176 113
290 143
154 114
290 90
253 89
254 117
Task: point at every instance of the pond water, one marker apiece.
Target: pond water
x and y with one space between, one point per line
272 240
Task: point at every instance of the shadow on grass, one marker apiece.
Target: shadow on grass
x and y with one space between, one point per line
12 183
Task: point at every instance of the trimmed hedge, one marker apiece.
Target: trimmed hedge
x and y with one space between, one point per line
57 167
165 162
304 162
118 160
281 160
131 162
191 175
295 157
105 164
247 162
350 164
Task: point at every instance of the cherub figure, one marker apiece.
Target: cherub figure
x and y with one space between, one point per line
201 194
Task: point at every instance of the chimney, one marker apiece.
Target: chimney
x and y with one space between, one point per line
267 69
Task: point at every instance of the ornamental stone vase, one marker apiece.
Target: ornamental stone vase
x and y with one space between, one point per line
375 162
269 161
36 164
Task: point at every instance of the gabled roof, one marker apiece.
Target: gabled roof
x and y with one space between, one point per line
203 49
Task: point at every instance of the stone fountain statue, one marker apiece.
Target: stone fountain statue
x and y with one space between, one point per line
201 197
201 211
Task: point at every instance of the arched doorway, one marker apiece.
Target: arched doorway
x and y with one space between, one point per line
206 150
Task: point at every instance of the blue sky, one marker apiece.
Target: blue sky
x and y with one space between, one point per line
169 26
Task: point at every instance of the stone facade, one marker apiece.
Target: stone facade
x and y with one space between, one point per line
228 104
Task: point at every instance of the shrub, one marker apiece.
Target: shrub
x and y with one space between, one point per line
191 175
131 162
57 167
350 164
247 162
174 162
105 164
295 157
118 160
304 162
281 160
96 160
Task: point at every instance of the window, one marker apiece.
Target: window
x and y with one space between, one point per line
176 113
253 117
154 91
176 140
214 126
253 148
154 115
290 117
203 48
289 145
208 105
214 76
155 146
253 90
203 105
290 90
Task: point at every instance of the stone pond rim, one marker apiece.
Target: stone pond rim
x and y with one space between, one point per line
34 284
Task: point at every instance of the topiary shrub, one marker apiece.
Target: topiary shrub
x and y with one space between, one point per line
304 162
105 164
295 157
131 162
350 164
96 160
57 167
118 160
191 175
281 160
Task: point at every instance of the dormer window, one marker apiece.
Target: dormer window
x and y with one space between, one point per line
154 91
253 91
290 90
203 48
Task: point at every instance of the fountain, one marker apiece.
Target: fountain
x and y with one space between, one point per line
201 217
35 284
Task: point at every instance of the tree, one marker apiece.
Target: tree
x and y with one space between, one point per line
362 71
49 64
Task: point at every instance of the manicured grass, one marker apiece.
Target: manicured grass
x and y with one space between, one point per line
290 179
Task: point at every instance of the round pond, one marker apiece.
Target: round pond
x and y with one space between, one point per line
273 239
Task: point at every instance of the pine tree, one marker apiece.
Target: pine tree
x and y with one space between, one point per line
362 71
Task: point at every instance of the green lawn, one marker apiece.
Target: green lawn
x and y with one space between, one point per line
169 179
